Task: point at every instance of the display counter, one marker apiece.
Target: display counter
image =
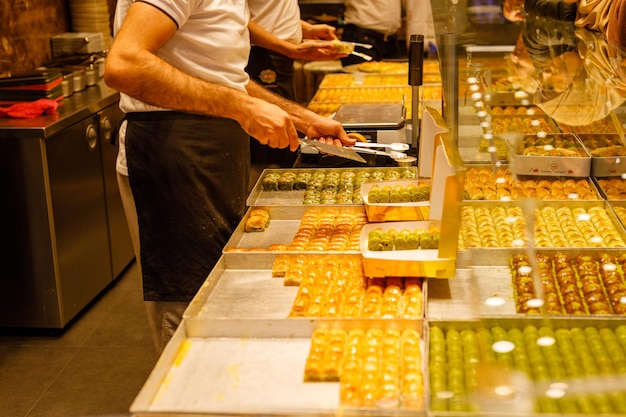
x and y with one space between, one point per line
531 322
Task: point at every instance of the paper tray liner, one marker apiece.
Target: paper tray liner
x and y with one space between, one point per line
383 212
404 263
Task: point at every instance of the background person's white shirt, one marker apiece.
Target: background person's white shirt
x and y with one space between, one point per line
279 17
384 16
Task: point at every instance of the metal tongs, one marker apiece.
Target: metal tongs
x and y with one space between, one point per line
362 45
392 150
361 55
353 44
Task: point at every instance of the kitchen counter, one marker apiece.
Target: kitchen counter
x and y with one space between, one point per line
71 110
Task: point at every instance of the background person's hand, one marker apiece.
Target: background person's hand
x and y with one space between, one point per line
314 50
320 31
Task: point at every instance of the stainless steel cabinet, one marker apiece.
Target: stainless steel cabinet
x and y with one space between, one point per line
64 235
120 243
78 218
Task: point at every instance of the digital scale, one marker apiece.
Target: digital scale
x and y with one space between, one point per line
379 123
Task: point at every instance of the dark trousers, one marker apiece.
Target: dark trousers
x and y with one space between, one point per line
189 179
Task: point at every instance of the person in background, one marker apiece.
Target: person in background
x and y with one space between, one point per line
373 22
277 32
604 16
179 66
513 10
554 9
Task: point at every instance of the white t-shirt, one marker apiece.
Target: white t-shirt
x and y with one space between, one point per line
279 17
212 42
121 164
384 16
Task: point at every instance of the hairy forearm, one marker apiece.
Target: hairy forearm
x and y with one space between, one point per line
259 36
148 78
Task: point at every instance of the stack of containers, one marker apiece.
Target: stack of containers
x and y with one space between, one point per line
92 16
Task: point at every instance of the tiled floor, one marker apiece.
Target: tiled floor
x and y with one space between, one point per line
95 367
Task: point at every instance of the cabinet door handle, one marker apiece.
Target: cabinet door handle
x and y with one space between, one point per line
106 128
91 137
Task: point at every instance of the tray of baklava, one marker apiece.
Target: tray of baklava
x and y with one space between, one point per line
499 226
317 367
489 183
307 285
335 80
526 367
320 186
552 282
553 224
363 94
303 228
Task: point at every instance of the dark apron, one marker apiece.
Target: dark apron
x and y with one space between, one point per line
188 176
384 47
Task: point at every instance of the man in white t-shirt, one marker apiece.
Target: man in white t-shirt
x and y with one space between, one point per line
277 32
190 108
374 22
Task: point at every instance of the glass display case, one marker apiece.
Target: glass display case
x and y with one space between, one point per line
536 108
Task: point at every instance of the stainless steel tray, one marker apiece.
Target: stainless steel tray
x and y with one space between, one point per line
213 373
242 292
260 197
482 175
527 391
241 287
499 255
485 289
284 223
212 370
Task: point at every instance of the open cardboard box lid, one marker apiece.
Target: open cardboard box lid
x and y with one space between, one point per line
445 205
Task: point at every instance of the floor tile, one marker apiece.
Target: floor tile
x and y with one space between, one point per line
94 367
25 374
98 381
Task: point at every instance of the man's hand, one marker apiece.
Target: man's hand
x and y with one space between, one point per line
329 131
319 31
271 126
313 50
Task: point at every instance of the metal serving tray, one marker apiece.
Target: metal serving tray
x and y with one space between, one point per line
243 290
522 404
284 223
474 172
500 256
241 287
363 94
619 207
605 166
208 370
260 197
578 166
247 368
485 289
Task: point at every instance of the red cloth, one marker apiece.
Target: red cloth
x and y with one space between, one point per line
30 109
